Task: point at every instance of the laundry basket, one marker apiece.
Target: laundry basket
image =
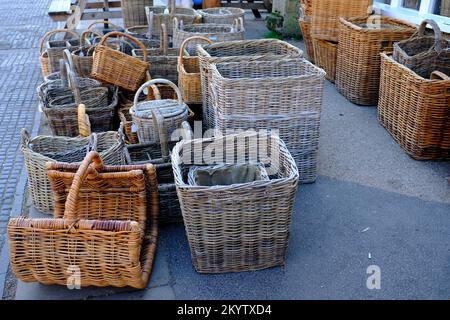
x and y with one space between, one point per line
237 227
102 252
416 110
262 49
41 149
284 95
361 40
212 31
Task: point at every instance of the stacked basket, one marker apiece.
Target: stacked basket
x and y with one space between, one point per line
324 24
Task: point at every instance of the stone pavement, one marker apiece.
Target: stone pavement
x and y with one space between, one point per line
372 204
23 23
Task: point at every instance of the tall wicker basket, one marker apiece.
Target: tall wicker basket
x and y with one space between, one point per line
189 80
133 12
42 149
239 227
284 95
416 110
325 53
305 27
263 50
361 40
325 15
103 252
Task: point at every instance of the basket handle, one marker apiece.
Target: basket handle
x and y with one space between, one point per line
71 206
155 81
25 138
188 130
438 75
185 42
131 38
53 32
68 59
238 24
84 125
109 23
176 25
150 18
172 6
164 40
437 33
63 73
158 122
83 37
73 85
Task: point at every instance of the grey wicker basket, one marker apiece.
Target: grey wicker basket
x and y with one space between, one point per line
284 95
239 227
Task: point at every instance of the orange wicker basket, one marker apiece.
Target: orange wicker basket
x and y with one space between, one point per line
100 252
326 13
361 40
118 68
325 53
189 81
416 110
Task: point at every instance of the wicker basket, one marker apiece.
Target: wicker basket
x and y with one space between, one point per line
133 12
56 52
214 32
61 111
420 51
325 53
111 27
163 61
238 227
174 112
159 155
222 15
325 15
102 252
189 80
415 110
112 66
305 27
263 49
142 33
284 95
42 149
115 193
82 57
445 8
361 40
187 15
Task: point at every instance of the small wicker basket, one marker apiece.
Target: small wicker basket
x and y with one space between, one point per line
41 149
103 252
117 68
174 112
